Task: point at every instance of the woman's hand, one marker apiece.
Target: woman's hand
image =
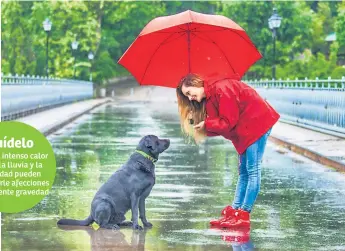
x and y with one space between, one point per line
200 126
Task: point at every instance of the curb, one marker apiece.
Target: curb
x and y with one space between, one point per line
317 157
331 132
65 122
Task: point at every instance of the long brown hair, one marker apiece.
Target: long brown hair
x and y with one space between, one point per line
191 109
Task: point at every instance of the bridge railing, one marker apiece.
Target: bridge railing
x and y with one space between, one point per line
22 95
318 104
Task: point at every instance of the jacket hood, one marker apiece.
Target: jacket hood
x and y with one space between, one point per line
212 79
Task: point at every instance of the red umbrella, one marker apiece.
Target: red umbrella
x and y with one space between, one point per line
189 42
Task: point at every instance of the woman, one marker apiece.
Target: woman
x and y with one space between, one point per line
228 107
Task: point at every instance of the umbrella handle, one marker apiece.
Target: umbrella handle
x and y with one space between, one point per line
188 41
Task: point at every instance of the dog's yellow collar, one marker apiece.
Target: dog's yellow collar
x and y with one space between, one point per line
147 156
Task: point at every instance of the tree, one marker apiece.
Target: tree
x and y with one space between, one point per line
322 25
293 35
17 53
340 25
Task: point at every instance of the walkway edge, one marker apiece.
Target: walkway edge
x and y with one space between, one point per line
69 120
317 157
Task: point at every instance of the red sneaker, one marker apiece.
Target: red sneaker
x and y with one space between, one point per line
241 219
227 213
238 237
226 209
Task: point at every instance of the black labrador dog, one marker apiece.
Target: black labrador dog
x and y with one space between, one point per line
126 189
105 240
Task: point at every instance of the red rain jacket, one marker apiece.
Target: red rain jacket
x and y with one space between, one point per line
236 112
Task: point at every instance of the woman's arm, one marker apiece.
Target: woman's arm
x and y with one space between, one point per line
228 114
211 134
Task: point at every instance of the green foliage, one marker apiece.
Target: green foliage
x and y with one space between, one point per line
340 25
322 25
338 72
107 28
317 66
293 35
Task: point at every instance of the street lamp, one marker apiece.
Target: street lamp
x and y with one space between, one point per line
47 25
74 47
90 56
274 23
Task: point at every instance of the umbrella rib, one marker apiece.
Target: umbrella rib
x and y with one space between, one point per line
148 64
174 32
211 41
166 41
195 28
169 32
232 30
212 30
249 42
189 45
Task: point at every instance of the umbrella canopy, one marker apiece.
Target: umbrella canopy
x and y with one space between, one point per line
170 47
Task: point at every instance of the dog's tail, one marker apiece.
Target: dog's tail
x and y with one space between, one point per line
85 222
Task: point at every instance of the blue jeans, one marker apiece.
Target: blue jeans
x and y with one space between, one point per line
248 246
248 184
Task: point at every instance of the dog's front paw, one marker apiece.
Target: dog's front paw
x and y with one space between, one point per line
137 227
148 224
126 224
115 227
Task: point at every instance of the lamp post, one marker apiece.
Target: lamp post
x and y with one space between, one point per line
274 23
90 56
47 25
74 47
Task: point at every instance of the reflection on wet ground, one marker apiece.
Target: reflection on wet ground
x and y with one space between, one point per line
300 207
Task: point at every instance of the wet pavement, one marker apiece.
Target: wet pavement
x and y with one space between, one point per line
301 205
